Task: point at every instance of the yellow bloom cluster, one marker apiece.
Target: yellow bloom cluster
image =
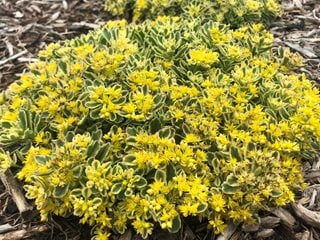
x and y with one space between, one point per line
230 12
145 124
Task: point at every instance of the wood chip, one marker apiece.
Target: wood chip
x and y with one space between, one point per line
270 222
313 173
250 227
306 235
265 233
285 216
13 57
54 17
24 233
6 228
17 195
230 230
304 51
310 217
9 47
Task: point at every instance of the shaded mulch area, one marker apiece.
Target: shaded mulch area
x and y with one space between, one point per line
28 26
299 29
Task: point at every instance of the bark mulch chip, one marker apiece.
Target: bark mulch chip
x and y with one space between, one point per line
26 26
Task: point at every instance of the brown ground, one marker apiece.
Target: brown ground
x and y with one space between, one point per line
28 25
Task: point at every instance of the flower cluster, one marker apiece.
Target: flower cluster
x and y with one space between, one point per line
233 12
146 124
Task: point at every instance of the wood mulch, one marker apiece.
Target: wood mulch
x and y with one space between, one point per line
29 25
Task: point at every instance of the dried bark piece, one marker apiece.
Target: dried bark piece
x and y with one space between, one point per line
24 233
285 216
265 233
17 195
314 173
13 57
250 228
6 228
304 51
230 230
306 235
310 217
270 222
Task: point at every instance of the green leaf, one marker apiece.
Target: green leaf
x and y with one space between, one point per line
171 172
186 129
76 192
95 113
217 182
116 188
235 152
69 136
86 192
227 189
131 141
160 175
63 67
276 193
60 192
103 152
42 159
77 171
97 202
96 135
141 182
92 104
284 114
232 181
176 225
6 125
128 192
202 207
155 125
271 113
132 131
166 132
128 160
23 120
93 149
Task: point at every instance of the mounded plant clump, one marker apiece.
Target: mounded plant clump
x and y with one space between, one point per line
233 12
146 124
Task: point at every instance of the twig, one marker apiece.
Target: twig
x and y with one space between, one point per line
13 187
24 233
304 51
13 57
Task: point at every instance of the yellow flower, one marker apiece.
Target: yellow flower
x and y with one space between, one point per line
41 138
156 187
252 5
189 209
203 57
142 227
10 116
218 225
217 202
5 162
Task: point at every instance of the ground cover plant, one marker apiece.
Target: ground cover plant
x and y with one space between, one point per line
147 124
235 12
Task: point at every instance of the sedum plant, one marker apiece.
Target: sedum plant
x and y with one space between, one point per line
139 125
234 12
